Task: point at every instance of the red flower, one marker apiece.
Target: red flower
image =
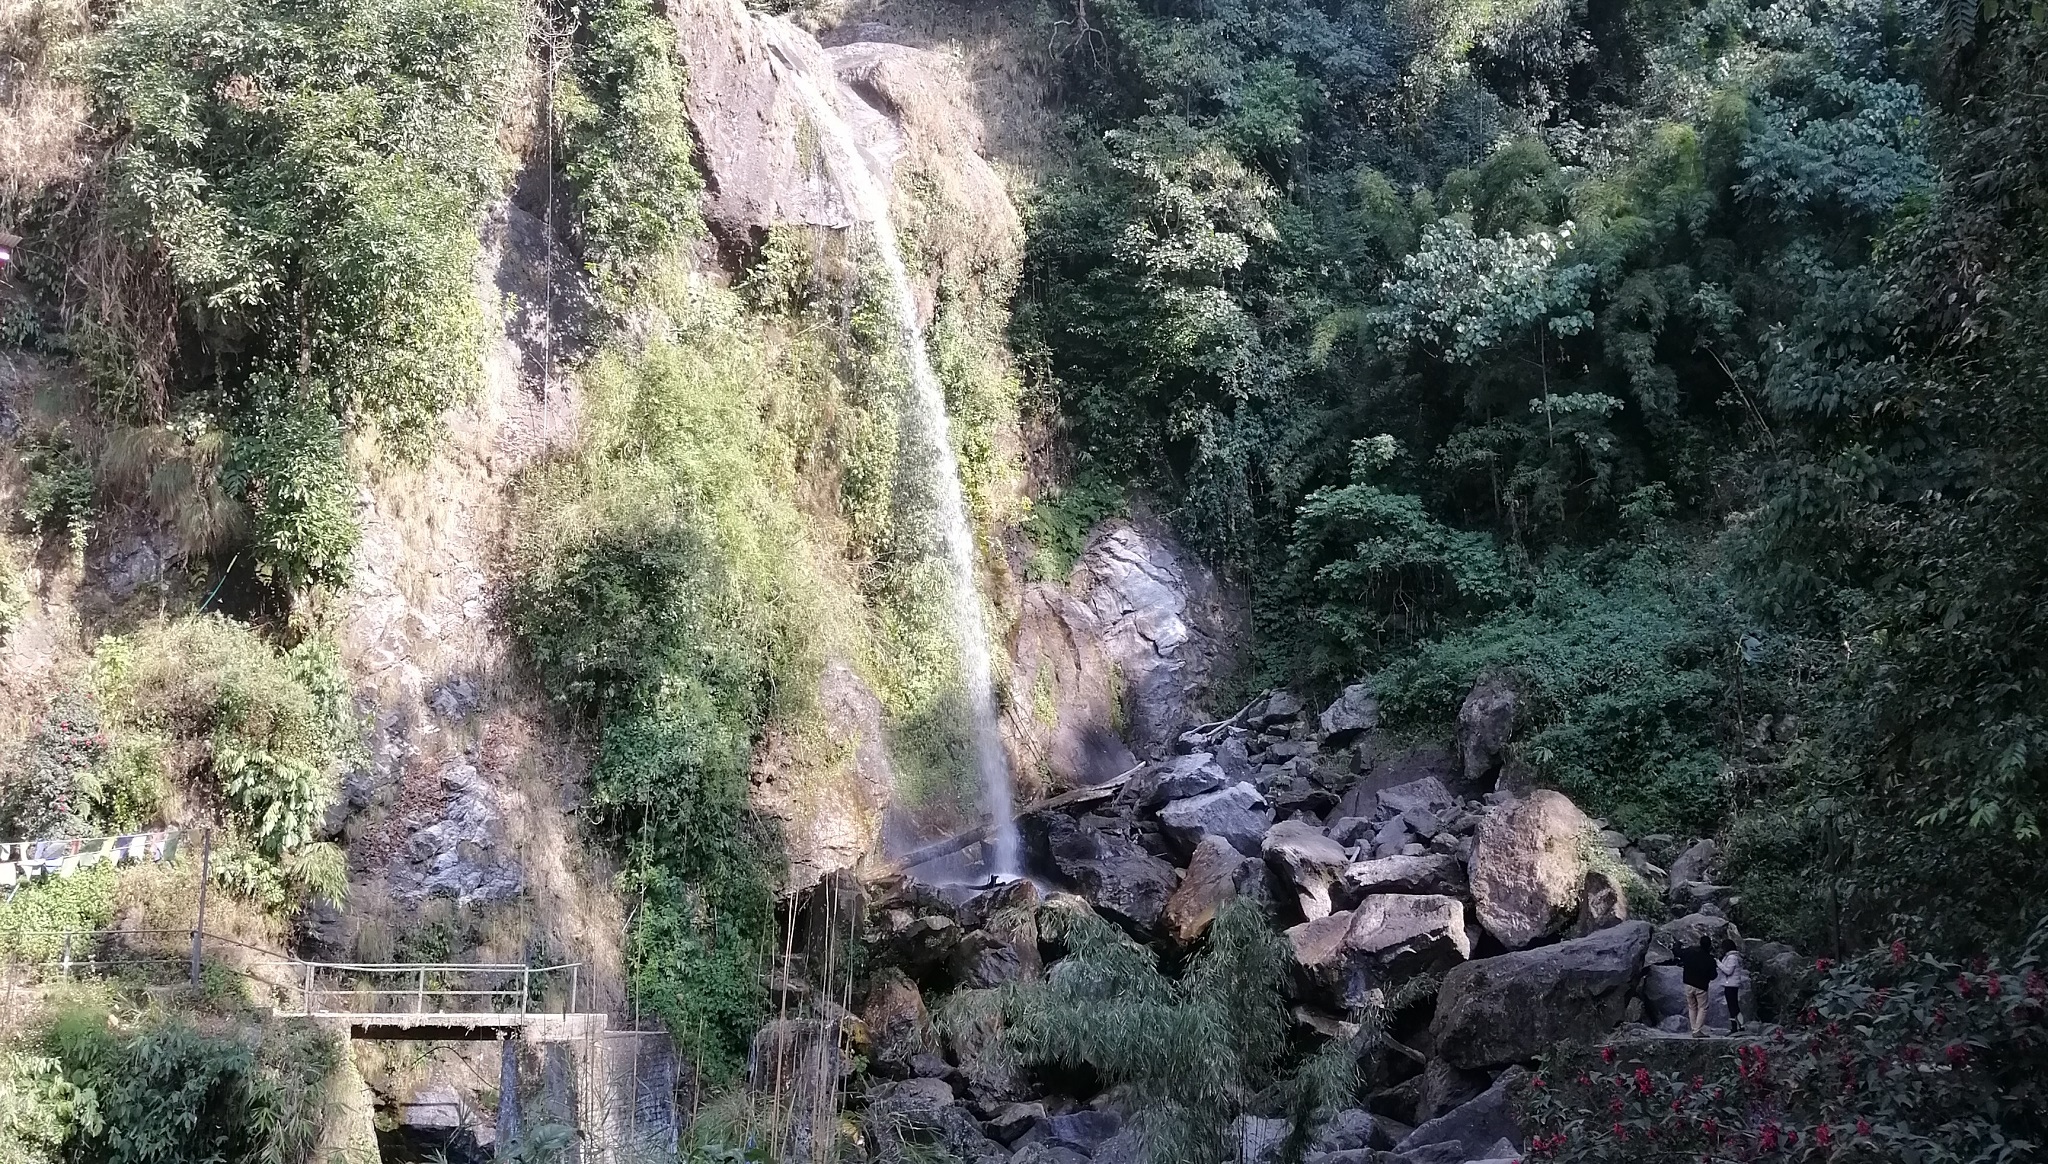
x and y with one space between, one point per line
1994 986
1585 1080
1698 1081
2036 985
1911 1052
1536 1082
1643 1080
1614 1106
1712 1129
1963 984
1898 951
1822 965
1862 1127
1607 1054
1958 1054
1620 1133
1823 1135
1769 1141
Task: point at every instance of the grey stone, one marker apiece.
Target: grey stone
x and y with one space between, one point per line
1603 901
1259 1139
1307 860
1349 830
1684 931
1115 876
1513 1007
1354 713
1426 874
1338 958
1391 836
1279 707
1696 863
1010 1121
1427 795
1185 776
1238 814
898 1025
1351 1129
1528 868
1043 1152
1486 722
1212 878
1482 1120
1084 1130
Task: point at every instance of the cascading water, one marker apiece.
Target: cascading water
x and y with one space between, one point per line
871 203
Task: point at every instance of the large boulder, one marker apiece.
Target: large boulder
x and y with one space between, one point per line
1339 958
1431 873
1352 1129
1603 901
1529 867
1211 879
1006 950
1120 880
1162 619
1696 863
1277 708
1427 795
1355 713
899 1027
1513 1007
1307 860
1685 931
899 1117
1486 722
1478 1123
1378 772
1238 814
1180 777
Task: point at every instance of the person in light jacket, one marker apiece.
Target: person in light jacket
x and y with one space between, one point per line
1733 978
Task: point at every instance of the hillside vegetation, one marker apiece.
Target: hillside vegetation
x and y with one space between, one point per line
1670 358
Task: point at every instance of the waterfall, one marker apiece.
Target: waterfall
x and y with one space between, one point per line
871 204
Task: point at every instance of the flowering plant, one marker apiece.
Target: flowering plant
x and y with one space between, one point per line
1898 1057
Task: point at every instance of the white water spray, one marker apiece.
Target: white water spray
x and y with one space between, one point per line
871 203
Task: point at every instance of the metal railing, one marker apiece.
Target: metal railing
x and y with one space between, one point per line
302 987
426 988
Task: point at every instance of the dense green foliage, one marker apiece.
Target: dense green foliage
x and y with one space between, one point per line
1193 1053
1667 357
664 595
258 734
163 1089
1899 1056
625 140
308 179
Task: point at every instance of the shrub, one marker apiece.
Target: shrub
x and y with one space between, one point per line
58 496
168 1091
1898 1057
1059 523
261 732
664 594
51 790
1193 1052
1624 677
287 465
626 141
34 917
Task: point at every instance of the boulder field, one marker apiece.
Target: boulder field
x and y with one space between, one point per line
1500 917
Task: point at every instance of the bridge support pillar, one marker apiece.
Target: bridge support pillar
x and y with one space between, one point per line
508 1095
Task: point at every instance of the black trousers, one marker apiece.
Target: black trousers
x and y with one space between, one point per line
1734 996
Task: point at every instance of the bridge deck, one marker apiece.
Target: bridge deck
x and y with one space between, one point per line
537 1028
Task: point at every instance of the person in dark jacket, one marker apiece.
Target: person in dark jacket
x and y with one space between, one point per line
1696 962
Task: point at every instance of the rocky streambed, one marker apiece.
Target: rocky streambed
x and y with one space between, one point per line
1529 924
